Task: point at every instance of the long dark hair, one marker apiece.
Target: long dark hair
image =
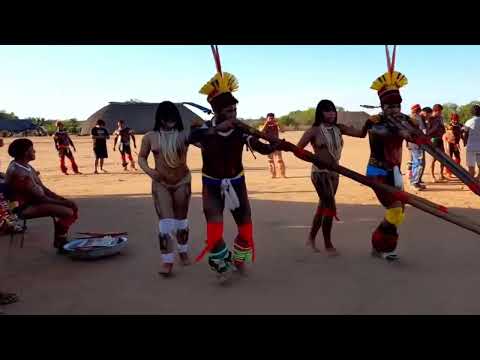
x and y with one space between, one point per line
324 105
19 147
167 110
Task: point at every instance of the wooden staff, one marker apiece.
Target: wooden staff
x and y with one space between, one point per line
403 196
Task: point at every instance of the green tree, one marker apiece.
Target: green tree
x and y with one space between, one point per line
7 116
37 120
448 110
72 126
465 111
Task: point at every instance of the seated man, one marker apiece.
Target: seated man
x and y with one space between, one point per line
34 199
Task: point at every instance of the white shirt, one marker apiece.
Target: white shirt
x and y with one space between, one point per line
473 128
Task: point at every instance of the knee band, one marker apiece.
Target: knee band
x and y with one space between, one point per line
167 226
181 224
395 216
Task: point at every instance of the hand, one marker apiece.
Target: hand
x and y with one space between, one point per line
155 175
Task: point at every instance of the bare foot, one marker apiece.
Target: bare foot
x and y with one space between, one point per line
311 243
332 252
166 270
184 259
95 172
105 171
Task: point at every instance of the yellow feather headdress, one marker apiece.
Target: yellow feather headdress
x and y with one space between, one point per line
391 80
222 82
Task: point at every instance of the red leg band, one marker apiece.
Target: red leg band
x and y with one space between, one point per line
214 235
327 212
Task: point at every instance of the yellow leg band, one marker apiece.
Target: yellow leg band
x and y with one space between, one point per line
395 216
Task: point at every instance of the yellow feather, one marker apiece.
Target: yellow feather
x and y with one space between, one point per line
389 80
220 84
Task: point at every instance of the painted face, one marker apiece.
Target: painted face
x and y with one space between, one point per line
228 113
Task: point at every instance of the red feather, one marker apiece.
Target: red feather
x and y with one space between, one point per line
216 57
394 58
388 57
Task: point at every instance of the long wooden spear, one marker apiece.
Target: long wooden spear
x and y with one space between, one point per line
403 196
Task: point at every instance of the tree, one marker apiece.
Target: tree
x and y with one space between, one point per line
465 111
37 120
448 110
72 126
7 116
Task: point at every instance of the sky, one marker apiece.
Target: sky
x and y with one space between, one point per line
61 82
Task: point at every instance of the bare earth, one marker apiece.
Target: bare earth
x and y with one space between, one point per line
438 272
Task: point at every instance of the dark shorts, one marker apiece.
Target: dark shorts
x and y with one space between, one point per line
453 149
100 151
125 149
64 151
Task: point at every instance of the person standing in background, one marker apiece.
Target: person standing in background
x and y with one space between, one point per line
100 136
472 141
271 128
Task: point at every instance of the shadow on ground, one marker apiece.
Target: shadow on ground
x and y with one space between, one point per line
438 272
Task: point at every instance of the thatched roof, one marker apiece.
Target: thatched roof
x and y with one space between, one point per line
140 117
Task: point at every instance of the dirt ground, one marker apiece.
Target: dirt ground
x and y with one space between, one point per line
437 273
